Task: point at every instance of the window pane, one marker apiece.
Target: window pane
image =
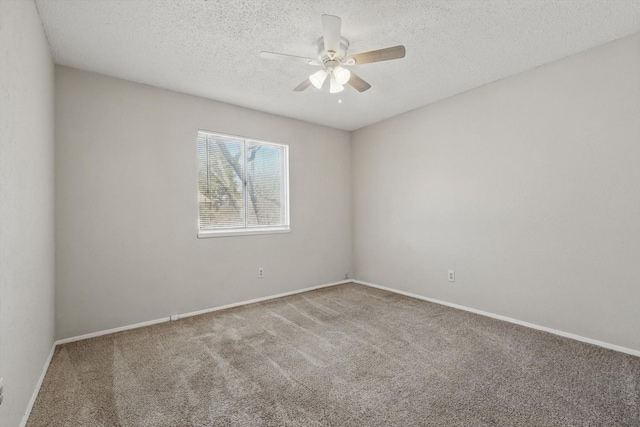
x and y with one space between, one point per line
265 185
220 197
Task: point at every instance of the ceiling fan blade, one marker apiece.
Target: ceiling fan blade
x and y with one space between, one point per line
386 54
282 56
303 86
331 32
358 83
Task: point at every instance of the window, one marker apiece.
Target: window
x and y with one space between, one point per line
243 186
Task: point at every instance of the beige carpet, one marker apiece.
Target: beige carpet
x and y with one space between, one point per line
342 356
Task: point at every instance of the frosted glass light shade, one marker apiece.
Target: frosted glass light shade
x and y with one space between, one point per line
318 78
335 86
342 75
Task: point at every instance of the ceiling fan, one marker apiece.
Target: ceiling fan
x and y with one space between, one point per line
332 57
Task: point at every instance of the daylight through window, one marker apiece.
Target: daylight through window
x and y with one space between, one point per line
242 186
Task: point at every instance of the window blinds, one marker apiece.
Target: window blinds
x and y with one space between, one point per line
264 185
241 183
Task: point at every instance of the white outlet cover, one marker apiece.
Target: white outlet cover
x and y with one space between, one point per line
452 276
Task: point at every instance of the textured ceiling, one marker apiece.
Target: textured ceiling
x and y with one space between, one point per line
211 48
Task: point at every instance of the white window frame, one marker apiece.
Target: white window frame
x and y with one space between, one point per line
248 230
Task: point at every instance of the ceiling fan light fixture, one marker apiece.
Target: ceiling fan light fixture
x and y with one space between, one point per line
332 57
335 87
317 79
342 75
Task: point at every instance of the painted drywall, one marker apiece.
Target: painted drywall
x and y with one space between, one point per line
126 206
529 188
26 205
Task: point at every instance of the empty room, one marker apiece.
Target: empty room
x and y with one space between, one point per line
327 213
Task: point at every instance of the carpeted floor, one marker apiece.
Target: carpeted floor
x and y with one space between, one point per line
343 356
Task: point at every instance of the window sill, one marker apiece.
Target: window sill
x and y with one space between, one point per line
205 234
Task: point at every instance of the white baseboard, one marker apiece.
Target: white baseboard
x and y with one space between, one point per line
255 300
193 313
112 331
508 319
34 396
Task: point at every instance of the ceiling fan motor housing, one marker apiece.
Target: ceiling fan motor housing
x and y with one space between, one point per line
326 56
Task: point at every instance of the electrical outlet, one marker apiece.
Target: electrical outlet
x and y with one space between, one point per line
346 276
452 276
261 272
1 390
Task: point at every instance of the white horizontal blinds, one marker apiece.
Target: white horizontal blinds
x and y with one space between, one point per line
265 185
242 184
221 200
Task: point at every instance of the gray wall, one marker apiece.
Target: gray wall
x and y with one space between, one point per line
126 206
26 205
528 187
